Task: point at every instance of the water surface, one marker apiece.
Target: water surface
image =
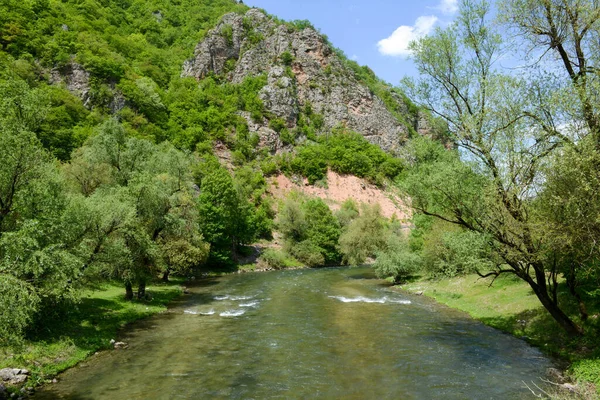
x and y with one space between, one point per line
333 333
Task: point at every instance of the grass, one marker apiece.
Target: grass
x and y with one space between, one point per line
85 329
510 305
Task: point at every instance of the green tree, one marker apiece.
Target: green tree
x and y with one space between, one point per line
144 207
224 215
396 260
489 115
364 236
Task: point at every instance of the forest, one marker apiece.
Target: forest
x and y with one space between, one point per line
120 182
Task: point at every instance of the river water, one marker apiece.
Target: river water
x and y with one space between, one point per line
334 333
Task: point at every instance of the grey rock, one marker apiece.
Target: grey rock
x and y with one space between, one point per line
120 345
117 102
254 43
555 375
14 376
75 78
279 96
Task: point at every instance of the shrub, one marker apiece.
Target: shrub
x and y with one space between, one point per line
397 261
364 236
277 124
286 58
587 371
273 258
308 253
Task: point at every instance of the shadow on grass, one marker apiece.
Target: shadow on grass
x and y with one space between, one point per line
69 332
538 328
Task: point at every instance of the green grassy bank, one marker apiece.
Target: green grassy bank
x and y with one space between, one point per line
87 328
510 305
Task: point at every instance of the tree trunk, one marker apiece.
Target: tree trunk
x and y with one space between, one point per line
166 274
559 316
572 284
141 293
128 291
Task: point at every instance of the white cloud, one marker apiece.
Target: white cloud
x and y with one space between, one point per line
448 6
397 43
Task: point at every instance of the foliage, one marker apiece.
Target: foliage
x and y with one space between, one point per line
145 217
310 230
276 259
363 236
347 213
505 127
346 153
396 260
587 371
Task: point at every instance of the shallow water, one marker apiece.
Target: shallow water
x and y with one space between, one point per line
327 333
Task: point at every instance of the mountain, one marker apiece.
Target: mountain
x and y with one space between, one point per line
282 81
304 70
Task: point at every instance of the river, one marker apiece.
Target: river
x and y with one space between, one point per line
333 333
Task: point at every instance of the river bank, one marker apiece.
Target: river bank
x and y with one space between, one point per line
510 306
87 328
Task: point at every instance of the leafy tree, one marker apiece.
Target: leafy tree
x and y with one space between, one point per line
291 220
489 115
347 213
396 260
364 236
322 229
224 215
151 185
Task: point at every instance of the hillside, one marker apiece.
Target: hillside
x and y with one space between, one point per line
341 188
144 139
281 80
309 84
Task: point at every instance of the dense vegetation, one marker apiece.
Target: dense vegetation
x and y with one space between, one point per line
117 182
520 197
108 169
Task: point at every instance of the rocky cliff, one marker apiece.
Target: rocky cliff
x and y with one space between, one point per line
303 70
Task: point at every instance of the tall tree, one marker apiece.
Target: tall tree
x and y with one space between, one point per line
562 37
493 119
143 214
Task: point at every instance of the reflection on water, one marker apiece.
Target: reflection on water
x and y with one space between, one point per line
328 333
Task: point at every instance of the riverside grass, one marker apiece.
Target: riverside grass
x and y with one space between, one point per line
88 328
510 305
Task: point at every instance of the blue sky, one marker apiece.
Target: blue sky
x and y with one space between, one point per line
374 33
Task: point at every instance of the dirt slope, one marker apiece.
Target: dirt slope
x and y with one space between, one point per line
343 187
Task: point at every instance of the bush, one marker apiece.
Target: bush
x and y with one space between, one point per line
587 371
449 253
364 236
277 124
286 58
308 253
310 230
397 261
273 258
344 152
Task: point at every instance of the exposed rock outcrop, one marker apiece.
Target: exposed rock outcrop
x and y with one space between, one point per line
302 69
75 78
13 376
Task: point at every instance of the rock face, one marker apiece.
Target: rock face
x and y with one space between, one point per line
75 78
77 81
302 69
